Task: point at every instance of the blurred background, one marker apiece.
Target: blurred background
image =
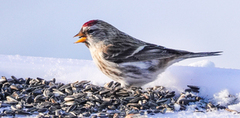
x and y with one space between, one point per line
46 28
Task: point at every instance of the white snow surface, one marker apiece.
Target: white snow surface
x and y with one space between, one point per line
218 85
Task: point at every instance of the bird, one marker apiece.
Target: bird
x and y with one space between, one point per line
127 60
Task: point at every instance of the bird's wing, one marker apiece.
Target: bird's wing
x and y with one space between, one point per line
147 51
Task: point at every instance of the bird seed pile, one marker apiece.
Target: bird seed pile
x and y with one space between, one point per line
50 99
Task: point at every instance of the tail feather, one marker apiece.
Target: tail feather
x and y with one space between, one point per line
202 54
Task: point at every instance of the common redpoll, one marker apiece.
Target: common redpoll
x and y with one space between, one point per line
125 59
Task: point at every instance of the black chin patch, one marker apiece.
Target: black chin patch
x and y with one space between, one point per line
87 44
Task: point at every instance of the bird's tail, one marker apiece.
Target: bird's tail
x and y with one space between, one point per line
201 54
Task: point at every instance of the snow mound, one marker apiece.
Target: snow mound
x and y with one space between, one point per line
203 63
219 85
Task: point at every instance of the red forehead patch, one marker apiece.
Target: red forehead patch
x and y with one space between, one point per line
90 23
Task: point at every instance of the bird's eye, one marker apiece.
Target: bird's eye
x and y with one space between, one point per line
90 31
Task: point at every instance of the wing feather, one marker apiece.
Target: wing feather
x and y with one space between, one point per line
121 53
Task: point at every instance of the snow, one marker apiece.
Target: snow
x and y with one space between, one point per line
224 98
218 85
235 107
203 63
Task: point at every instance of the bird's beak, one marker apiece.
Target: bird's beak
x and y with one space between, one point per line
82 37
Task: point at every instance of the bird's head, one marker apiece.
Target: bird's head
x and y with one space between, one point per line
95 31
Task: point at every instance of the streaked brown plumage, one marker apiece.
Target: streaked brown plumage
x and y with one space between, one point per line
125 59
